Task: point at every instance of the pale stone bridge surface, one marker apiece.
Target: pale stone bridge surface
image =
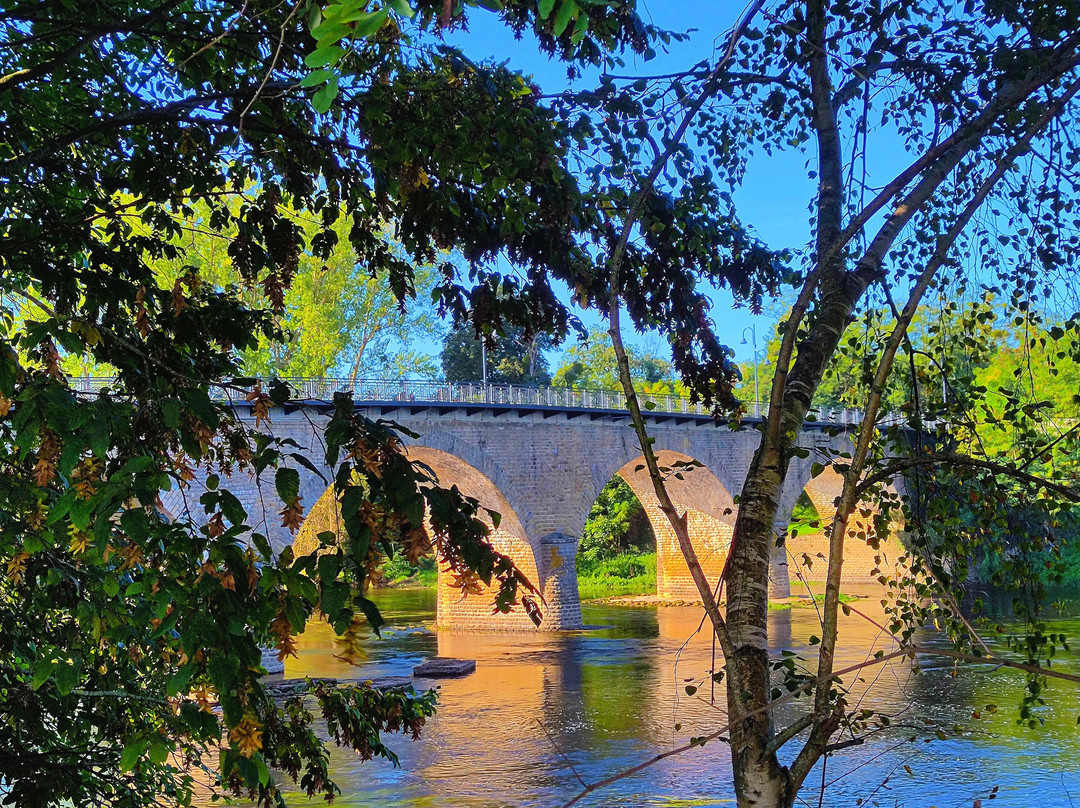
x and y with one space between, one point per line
542 467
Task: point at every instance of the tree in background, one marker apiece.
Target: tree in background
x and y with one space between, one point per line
591 364
616 524
341 318
512 357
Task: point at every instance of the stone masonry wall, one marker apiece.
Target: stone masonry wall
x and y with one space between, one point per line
542 470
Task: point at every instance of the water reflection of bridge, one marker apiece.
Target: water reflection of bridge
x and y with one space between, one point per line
600 700
540 458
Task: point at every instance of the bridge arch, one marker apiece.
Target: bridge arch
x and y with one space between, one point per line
476 611
870 549
453 609
710 513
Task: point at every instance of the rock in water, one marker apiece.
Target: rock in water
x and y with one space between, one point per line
442 667
391 683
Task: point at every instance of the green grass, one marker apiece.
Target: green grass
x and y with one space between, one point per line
623 575
397 572
805 602
629 574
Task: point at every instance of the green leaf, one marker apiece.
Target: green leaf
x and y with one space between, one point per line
546 7
580 29
334 596
264 773
9 369
368 22
129 758
316 78
159 750
263 546
178 682
323 57
232 508
691 690
66 677
136 465
42 671
324 98
371 611
287 482
170 411
330 33
567 12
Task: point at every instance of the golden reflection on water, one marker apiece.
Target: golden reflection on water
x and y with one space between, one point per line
542 706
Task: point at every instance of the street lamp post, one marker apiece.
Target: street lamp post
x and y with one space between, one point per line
483 367
757 392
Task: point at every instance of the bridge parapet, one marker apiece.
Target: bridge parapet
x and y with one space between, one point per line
384 391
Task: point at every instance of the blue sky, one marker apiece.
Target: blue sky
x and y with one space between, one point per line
773 204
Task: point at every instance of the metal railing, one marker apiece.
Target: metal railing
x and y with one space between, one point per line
432 392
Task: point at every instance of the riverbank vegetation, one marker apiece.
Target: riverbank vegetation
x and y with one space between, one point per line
625 574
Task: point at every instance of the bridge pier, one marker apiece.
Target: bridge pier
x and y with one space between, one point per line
542 462
557 561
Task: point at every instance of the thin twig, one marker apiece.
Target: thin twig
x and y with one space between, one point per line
558 751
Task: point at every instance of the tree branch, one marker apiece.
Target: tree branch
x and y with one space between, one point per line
615 259
903 464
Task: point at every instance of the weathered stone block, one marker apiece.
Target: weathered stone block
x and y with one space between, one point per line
444 667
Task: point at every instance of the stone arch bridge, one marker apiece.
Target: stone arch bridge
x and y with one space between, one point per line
542 463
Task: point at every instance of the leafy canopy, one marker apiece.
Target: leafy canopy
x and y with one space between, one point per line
127 124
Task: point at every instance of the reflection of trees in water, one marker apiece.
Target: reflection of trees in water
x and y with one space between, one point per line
611 697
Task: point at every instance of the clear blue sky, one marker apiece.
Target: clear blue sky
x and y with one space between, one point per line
773 204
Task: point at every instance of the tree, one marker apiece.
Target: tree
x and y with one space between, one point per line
340 319
809 76
512 357
948 346
126 121
591 364
616 522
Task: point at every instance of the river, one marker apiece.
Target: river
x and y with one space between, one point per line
541 707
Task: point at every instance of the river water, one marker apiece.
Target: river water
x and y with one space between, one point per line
542 711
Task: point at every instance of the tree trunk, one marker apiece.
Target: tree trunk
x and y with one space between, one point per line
760 780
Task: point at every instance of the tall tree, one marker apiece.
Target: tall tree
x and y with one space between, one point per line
983 101
123 122
591 364
512 357
341 318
